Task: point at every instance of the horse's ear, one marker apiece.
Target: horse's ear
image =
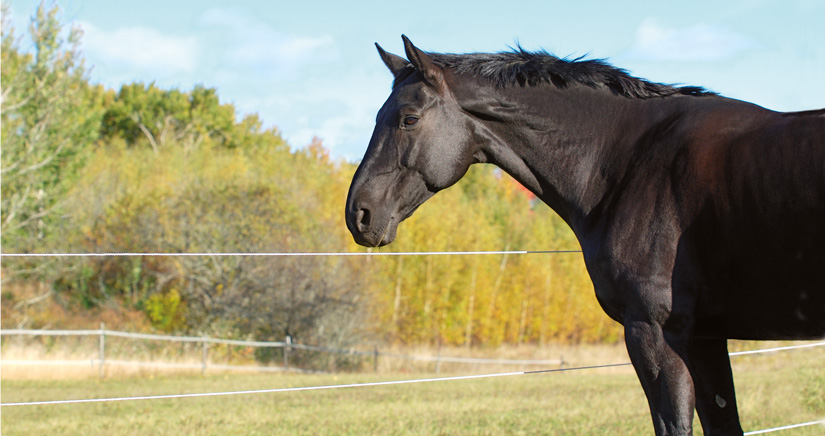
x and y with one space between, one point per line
393 62
422 62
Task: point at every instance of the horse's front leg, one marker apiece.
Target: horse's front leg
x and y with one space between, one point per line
658 357
713 380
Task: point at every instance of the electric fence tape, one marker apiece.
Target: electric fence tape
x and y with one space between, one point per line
292 254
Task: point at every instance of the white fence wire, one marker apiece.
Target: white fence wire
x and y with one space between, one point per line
293 254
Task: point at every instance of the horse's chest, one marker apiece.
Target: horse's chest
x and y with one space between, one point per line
632 271
609 299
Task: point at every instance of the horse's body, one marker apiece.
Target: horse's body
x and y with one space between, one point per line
700 218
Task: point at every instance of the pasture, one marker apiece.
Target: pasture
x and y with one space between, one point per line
774 389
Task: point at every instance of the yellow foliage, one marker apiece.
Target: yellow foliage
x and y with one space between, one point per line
488 299
241 199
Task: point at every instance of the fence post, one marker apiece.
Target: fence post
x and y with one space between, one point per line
438 359
205 353
102 350
287 347
375 359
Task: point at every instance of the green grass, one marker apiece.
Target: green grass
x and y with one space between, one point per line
774 390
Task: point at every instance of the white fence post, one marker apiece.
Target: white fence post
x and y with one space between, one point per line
287 347
102 350
205 354
438 359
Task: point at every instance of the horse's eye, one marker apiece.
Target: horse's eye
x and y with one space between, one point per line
410 120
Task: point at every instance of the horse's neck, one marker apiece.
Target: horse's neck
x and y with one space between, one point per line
567 146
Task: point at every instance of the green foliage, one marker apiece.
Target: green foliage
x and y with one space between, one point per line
50 118
147 114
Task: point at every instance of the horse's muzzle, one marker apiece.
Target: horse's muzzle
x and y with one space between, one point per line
369 230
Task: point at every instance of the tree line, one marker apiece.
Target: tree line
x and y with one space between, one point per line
145 169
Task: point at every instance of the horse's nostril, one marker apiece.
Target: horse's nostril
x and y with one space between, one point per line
362 219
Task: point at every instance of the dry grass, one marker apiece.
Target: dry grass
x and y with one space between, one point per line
77 358
571 355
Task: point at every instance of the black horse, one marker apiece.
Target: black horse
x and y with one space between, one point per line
700 218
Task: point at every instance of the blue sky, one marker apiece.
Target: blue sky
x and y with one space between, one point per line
310 68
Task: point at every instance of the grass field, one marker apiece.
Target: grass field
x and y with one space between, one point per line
774 390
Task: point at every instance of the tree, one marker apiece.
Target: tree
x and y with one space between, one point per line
162 118
220 200
50 117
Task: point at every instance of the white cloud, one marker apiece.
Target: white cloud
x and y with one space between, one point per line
340 110
280 52
141 49
296 81
700 42
252 44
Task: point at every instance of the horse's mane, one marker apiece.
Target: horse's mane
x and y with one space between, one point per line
523 68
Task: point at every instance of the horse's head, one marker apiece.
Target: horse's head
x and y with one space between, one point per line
422 143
